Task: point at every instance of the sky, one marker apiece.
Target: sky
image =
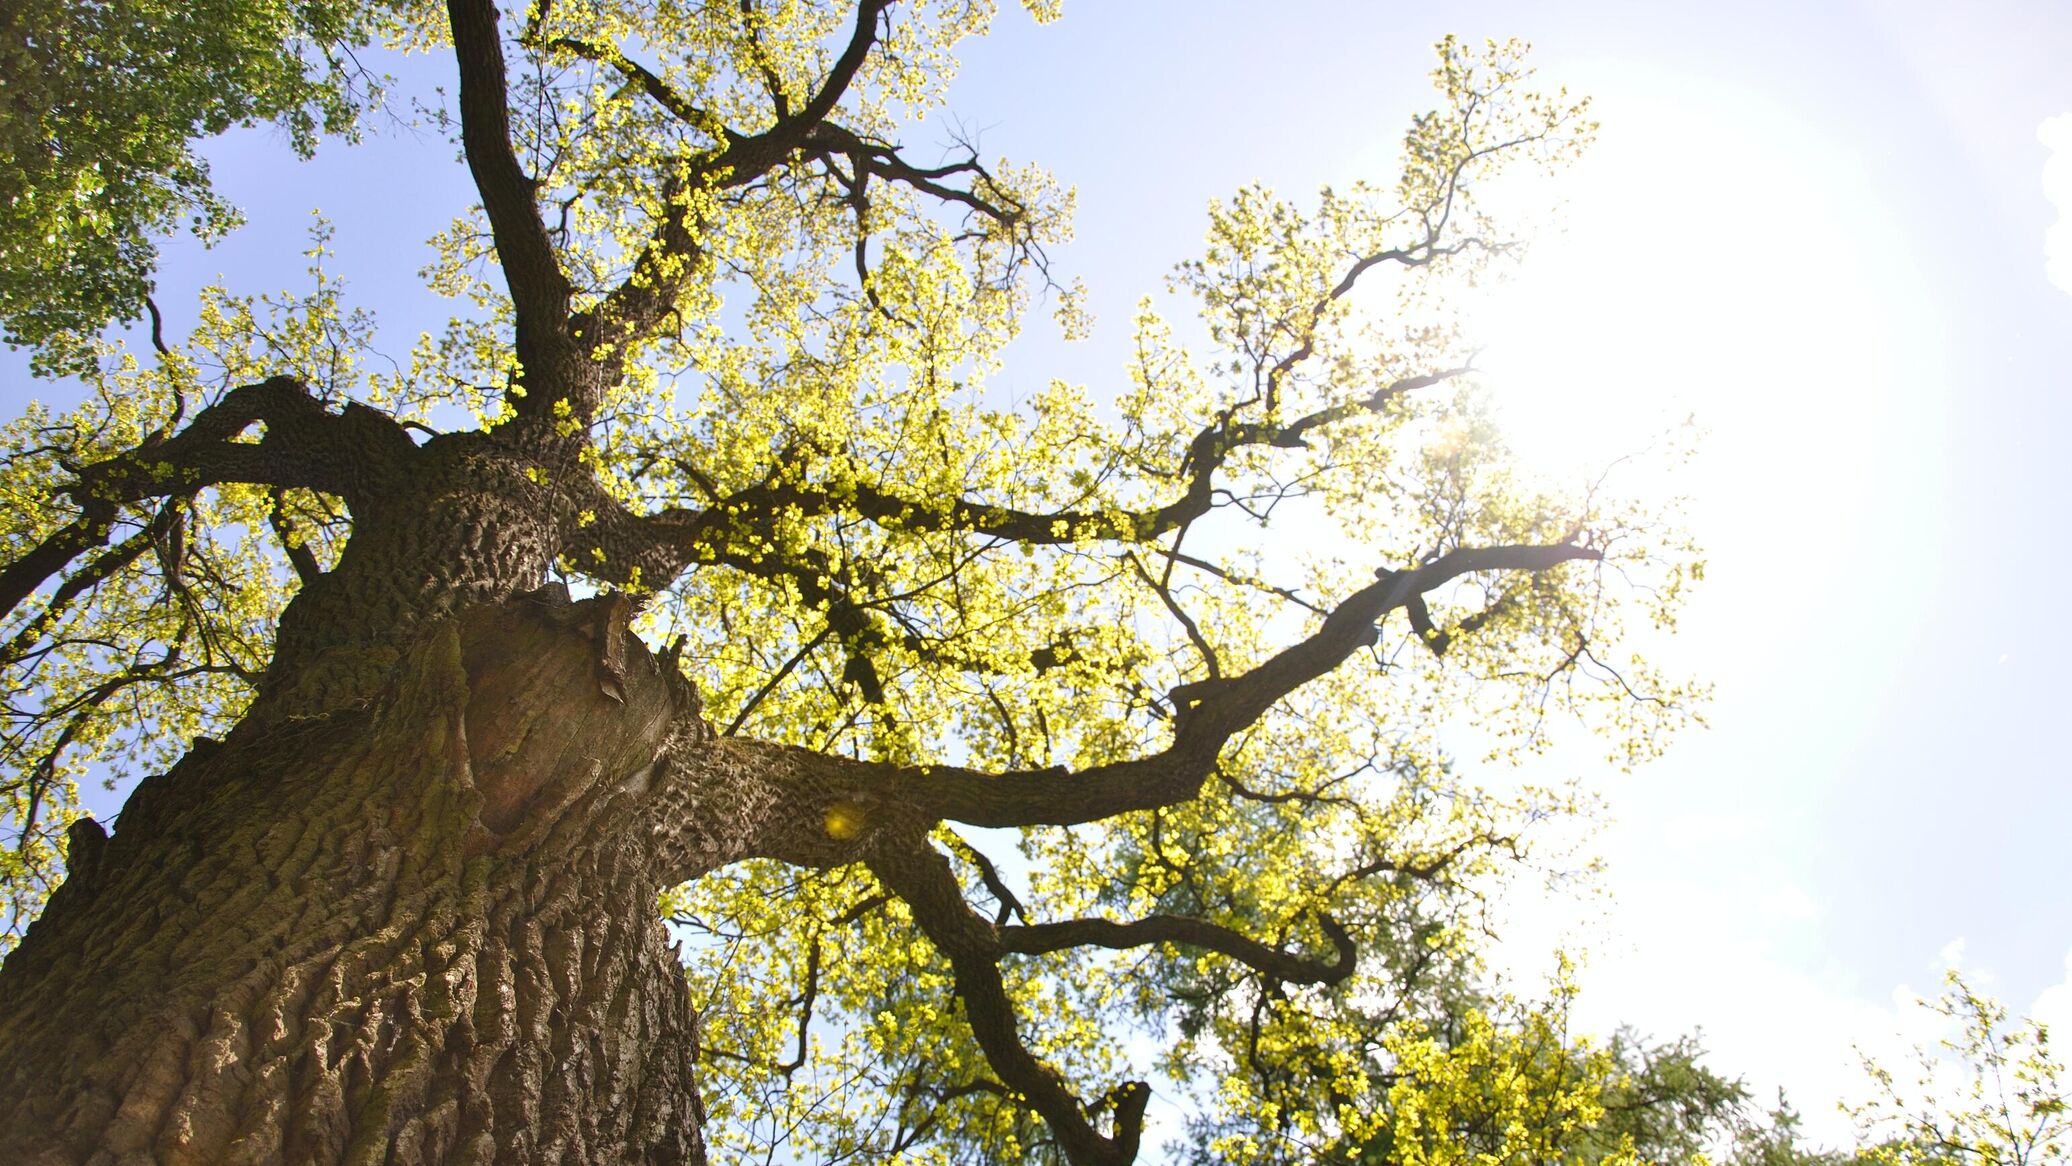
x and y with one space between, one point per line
1823 229
1820 229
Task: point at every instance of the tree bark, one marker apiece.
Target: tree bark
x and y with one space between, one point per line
420 928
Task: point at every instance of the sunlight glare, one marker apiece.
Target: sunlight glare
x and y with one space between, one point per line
1707 270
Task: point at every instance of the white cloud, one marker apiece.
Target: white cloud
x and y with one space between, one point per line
2053 1005
1702 944
2056 135
1952 953
1724 939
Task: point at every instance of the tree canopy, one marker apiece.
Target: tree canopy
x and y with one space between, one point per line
738 345
100 108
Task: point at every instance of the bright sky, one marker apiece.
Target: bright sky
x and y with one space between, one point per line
1821 228
1818 225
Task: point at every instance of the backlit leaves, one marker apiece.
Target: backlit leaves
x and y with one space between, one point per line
799 325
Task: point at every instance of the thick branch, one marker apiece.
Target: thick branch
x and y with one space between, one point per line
305 445
637 306
1208 712
21 578
350 454
300 557
921 876
102 567
862 36
539 289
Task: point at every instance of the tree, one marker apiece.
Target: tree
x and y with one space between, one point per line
99 107
1777 1140
1458 1074
416 777
1991 1095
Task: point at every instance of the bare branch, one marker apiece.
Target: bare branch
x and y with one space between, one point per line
776 678
299 555
881 160
1194 636
1010 905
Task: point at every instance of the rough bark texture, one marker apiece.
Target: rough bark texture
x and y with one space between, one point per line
419 928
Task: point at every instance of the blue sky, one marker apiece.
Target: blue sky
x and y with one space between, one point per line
1818 226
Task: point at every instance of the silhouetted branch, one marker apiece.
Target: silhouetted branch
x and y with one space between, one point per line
1187 931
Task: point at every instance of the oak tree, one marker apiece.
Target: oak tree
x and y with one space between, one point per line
697 558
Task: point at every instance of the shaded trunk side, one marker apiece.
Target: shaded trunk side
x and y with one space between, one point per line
419 931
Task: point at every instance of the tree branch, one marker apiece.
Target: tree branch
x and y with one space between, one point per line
633 310
1207 713
1188 931
877 159
98 571
1010 905
649 82
347 454
889 799
540 291
920 875
300 557
748 509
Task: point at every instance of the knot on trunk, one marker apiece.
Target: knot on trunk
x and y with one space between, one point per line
85 840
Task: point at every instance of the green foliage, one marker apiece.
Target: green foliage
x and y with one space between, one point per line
101 103
1775 1140
164 635
1451 1073
1666 1104
896 564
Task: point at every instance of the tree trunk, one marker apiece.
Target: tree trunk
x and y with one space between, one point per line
419 929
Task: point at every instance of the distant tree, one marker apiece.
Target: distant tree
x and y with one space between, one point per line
379 635
1991 1095
1666 1104
1457 1075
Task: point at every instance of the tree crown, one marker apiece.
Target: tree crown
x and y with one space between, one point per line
736 341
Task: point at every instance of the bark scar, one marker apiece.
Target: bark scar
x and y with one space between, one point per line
613 624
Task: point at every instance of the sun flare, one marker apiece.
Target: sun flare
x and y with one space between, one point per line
1705 271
